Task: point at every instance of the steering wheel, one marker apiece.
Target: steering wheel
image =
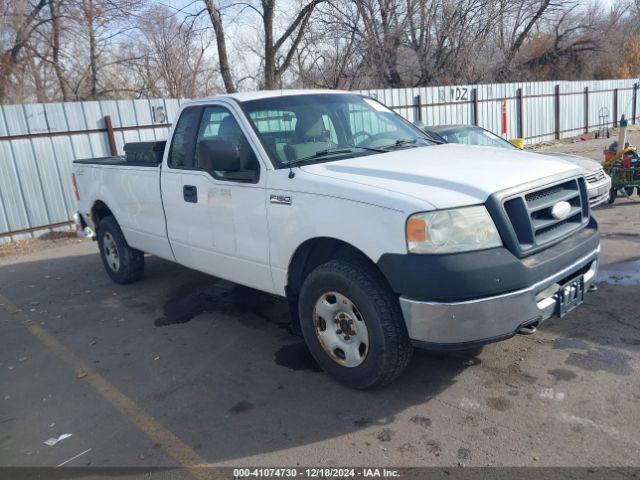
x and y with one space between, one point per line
376 139
362 133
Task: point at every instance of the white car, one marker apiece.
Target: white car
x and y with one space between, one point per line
335 202
598 182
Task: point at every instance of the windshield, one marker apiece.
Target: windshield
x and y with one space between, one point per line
475 136
325 127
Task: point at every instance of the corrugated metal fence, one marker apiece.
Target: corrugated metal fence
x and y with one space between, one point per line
38 142
536 111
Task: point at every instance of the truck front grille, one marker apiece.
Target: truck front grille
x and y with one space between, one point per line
529 213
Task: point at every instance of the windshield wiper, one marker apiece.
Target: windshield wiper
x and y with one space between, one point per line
330 151
400 143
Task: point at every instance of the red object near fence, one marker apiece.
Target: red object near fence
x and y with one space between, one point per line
504 117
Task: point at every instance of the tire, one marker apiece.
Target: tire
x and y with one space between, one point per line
122 263
370 302
613 194
629 191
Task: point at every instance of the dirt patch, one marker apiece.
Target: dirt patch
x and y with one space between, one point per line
562 374
385 435
500 404
43 242
422 421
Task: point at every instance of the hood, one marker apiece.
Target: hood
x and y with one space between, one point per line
587 164
448 175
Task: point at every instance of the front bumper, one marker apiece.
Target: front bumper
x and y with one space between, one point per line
461 324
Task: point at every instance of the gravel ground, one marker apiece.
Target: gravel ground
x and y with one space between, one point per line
31 245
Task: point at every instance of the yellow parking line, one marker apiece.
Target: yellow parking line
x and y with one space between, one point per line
159 434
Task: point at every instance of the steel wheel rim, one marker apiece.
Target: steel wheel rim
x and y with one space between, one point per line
110 251
341 329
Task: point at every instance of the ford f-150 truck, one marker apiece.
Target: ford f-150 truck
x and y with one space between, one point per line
379 242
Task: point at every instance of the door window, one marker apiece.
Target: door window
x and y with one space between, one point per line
182 143
217 123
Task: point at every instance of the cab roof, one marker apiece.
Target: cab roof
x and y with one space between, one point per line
260 94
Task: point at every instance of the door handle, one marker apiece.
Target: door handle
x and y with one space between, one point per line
190 193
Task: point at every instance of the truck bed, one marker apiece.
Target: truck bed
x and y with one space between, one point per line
119 161
137 154
132 195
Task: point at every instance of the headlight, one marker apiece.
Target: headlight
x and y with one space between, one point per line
455 230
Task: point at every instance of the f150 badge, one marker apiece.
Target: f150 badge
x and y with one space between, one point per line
561 210
280 199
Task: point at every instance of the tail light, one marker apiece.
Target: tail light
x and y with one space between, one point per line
75 186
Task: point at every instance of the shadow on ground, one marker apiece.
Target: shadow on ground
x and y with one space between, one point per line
212 361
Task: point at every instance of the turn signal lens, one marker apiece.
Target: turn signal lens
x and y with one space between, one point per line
416 229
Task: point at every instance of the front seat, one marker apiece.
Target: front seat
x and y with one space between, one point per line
310 137
229 130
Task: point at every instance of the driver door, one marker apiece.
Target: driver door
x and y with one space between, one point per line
216 224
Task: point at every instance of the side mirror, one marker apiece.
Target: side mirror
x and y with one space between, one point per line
517 142
218 155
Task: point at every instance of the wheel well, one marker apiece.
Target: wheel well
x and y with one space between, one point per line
309 255
98 212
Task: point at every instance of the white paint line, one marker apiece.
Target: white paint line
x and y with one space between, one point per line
73 458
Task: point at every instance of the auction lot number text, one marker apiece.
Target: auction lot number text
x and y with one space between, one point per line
239 473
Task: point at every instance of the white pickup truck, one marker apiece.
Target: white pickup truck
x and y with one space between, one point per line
380 239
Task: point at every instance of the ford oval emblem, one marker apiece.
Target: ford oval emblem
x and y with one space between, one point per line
561 210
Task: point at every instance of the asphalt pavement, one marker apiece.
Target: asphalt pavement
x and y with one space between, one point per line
183 369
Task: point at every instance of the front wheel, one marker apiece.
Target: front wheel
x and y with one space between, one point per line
353 325
122 263
613 194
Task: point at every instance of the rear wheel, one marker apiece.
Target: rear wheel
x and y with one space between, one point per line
352 324
122 263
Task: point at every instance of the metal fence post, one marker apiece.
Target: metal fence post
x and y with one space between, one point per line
635 101
557 111
418 104
615 107
519 111
474 105
112 139
586 109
